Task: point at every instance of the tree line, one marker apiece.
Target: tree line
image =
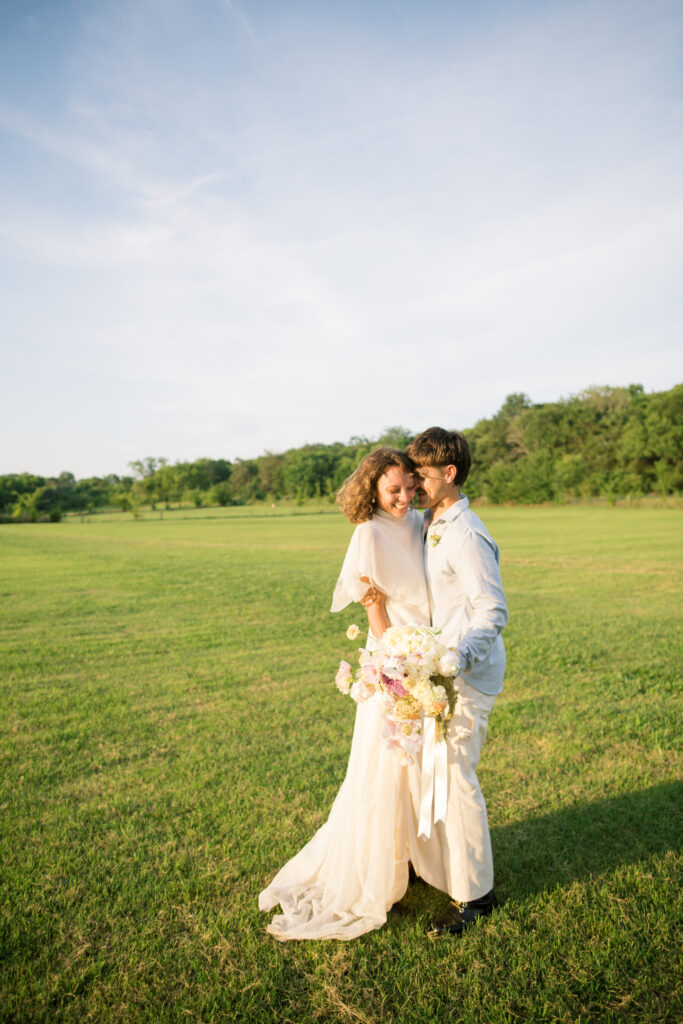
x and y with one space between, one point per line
604 442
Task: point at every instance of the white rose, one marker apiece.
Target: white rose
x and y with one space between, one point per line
448 665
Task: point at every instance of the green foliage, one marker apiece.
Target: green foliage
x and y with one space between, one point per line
170 734
527 481
306 471
245 484
221 494
395 437
608 442
270 473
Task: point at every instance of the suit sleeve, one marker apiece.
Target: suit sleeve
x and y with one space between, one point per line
476 565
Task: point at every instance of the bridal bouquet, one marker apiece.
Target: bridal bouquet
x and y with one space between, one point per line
413 673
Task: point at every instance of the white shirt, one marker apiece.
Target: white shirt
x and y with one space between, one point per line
466 594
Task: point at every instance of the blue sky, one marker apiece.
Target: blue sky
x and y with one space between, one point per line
232 227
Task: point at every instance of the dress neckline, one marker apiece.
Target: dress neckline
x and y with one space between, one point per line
387 517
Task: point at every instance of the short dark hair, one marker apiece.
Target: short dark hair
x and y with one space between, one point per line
439 447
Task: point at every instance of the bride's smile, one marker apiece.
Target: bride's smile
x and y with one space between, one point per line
395 491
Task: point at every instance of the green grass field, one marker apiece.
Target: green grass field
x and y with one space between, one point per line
171 734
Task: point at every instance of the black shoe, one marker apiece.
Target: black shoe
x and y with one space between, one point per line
458 916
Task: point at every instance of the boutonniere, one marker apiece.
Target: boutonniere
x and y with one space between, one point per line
434 536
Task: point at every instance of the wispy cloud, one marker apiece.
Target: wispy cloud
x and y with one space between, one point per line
240 18
307 223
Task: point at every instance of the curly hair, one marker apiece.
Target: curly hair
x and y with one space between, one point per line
439 447
357 495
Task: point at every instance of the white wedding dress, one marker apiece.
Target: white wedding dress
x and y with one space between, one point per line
343 882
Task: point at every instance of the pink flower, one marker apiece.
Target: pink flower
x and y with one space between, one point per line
370 675
405 735
393 686
361 691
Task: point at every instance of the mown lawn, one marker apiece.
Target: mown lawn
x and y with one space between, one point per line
170 735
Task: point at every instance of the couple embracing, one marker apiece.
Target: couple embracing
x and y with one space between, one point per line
441 569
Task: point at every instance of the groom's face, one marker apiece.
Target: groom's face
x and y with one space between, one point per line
434 484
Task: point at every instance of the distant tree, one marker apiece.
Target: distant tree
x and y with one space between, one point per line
196 496
221 493
122 499
306 471
396 437
609 441
568 474
14 485
25 509
221 470
164 482
271 474
146 468
490 439
200 474
146 489
603 441
244 481
66 481
664 439
345 466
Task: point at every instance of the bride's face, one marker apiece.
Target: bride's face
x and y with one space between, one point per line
395 491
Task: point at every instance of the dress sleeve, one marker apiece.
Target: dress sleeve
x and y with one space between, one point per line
360 561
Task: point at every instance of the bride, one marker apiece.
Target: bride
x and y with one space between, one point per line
343 882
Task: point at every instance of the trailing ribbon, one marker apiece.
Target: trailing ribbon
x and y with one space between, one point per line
434 779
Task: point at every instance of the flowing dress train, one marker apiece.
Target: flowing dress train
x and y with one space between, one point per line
346 878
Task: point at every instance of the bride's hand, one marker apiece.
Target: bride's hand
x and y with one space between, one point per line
373 595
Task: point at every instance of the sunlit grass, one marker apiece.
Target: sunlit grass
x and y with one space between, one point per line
171 735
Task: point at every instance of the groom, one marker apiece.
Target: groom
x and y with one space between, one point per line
468 606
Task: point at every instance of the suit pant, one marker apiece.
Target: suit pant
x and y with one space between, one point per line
457 857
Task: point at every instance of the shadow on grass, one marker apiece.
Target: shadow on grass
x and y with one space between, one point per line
586 839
